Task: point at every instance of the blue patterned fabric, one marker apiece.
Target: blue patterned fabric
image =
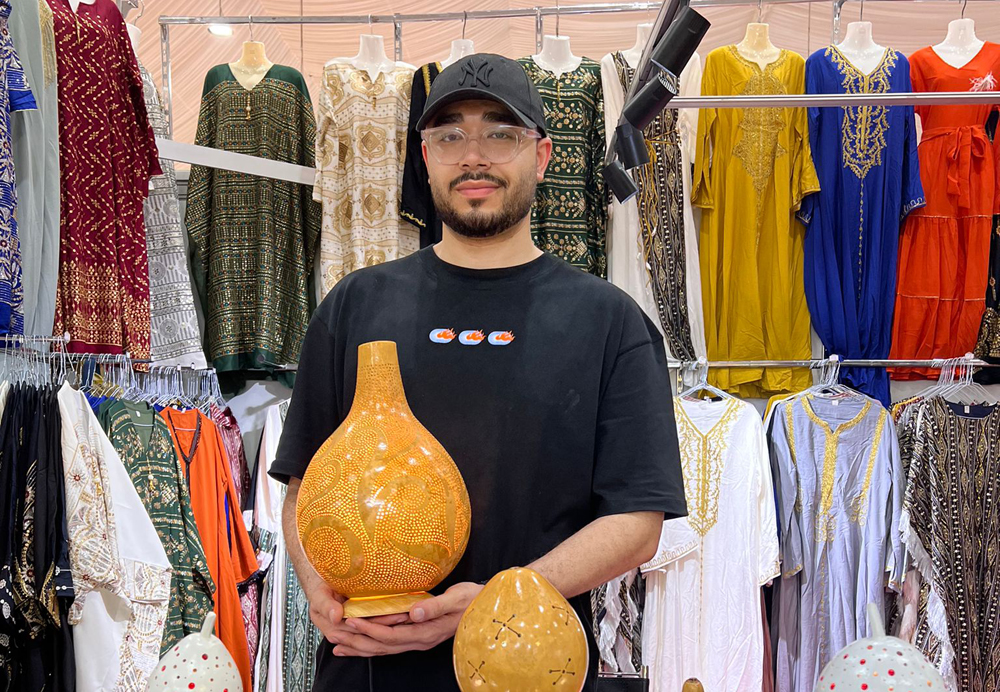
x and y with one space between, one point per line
14 96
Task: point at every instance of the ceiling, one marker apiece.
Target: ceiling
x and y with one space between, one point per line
802 27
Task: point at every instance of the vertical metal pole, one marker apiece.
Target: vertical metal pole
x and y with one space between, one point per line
838 5
167 83
397 37
539 29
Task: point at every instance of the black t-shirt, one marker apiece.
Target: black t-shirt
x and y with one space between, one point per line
570 420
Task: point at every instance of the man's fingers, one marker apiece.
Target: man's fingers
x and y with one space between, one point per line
432 608
390 620
341 650
382 633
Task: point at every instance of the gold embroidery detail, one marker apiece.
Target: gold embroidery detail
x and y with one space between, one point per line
826 524
859 506
758 146
47 25
701 461
863 128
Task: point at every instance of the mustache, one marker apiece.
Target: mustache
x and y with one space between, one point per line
477 177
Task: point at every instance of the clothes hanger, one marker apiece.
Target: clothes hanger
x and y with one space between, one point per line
760 11
701 367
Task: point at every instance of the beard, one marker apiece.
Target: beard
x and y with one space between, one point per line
476 223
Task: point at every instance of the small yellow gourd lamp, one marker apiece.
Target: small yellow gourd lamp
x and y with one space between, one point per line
383 513
520 635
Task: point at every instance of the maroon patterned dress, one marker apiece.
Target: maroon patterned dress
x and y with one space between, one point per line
106 154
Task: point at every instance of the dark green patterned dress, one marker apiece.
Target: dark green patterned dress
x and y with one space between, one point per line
253 239
142 440
570 215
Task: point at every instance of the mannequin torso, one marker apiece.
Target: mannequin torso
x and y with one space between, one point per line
460 47
756 45
557 56
74 4
134 33
371 57
961 44
860 48
634 54
252 66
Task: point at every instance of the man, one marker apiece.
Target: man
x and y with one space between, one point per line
553 396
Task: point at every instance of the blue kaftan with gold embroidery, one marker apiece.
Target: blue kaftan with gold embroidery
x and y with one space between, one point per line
866 160
14 96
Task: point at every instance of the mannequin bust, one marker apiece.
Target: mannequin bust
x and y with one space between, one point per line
74 4
961 44
460 47
634 54
557 56
860 48
134 34
756 45
252 66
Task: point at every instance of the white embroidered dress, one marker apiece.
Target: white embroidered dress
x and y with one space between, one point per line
121 575
703 609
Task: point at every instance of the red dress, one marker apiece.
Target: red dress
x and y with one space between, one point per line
106 156
945 246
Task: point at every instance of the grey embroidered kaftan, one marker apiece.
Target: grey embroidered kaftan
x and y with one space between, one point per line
839 481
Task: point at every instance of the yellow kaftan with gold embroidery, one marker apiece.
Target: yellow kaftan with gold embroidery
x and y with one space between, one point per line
752 169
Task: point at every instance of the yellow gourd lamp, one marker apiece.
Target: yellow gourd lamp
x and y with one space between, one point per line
520 635
383 513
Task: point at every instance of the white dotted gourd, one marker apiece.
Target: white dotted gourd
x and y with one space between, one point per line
197 663
879 664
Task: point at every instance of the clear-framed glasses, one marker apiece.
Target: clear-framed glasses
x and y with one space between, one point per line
498 143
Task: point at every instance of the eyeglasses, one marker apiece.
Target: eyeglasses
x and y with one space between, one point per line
498 143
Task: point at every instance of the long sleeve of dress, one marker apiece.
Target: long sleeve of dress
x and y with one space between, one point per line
814 85
804 177
769 560
913 189
597 204
702 194
896 553
785 478
198 216
687 118
414 190
131 80
311 210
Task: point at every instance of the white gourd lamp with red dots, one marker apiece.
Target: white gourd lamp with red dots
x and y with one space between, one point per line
197 663
879 664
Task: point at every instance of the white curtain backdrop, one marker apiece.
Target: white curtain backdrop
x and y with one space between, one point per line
802 27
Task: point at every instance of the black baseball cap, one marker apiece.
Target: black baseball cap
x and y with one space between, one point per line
490 77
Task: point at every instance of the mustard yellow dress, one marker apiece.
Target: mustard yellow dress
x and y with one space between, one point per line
752 169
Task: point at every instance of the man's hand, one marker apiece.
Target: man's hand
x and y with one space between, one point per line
325 609
428 623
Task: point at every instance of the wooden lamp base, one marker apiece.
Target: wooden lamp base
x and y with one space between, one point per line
373 606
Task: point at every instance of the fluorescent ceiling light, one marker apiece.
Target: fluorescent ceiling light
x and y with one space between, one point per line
220 29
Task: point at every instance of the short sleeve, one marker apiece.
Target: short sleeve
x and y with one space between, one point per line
637 461
313 414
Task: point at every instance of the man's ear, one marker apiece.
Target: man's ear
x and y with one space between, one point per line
543 154
423 149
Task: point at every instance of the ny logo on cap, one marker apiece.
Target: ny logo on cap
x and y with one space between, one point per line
478 70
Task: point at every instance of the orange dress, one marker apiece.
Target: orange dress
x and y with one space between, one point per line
945 247
230 554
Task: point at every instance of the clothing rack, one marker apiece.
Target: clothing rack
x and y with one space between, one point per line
217 158
936 363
